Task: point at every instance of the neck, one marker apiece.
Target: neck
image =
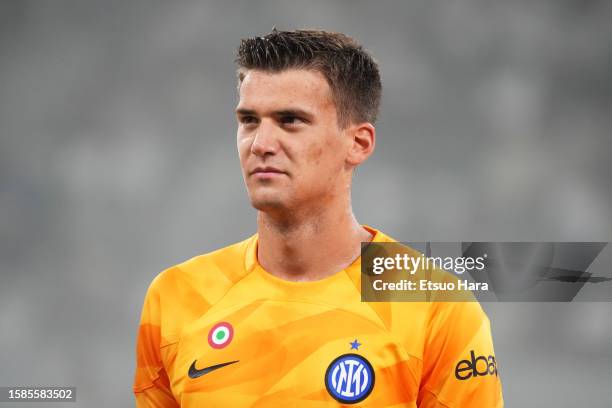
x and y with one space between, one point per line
305 247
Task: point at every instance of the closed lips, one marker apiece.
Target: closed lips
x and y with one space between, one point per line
266 170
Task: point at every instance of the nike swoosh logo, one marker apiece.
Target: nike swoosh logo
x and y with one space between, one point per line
195 373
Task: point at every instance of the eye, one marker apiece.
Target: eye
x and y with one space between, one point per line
247 120
290 120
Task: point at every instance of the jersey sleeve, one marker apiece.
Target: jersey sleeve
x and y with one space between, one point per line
151 383
459 364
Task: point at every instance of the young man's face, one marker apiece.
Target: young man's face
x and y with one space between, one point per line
292 151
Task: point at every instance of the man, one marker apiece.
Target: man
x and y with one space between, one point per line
277 320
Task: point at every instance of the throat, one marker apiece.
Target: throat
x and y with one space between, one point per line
309 251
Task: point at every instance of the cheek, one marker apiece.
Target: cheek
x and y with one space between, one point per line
328 155
243 147
315 155
323 164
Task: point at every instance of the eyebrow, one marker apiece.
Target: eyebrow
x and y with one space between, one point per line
282 112
245 112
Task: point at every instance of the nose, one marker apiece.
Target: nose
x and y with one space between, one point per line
265 141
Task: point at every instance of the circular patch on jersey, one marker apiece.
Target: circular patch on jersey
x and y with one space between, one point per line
349 378
220 335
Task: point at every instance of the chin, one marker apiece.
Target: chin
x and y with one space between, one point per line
266 204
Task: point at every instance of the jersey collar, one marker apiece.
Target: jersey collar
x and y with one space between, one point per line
250 259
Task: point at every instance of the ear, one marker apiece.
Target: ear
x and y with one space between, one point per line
363 141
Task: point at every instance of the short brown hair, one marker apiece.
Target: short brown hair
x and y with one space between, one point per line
351 72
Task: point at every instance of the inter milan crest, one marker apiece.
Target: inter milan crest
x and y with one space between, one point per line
349 378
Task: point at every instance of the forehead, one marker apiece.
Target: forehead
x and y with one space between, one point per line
308 89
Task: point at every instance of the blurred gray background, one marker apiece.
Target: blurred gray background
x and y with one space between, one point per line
117 160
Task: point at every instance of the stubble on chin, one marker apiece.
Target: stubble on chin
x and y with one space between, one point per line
267 202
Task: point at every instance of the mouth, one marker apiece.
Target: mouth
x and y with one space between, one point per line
266 171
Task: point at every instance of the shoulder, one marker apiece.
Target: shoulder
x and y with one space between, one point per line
186 290
222 267
421 314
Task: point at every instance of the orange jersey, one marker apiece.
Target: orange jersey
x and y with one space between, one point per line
218 330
